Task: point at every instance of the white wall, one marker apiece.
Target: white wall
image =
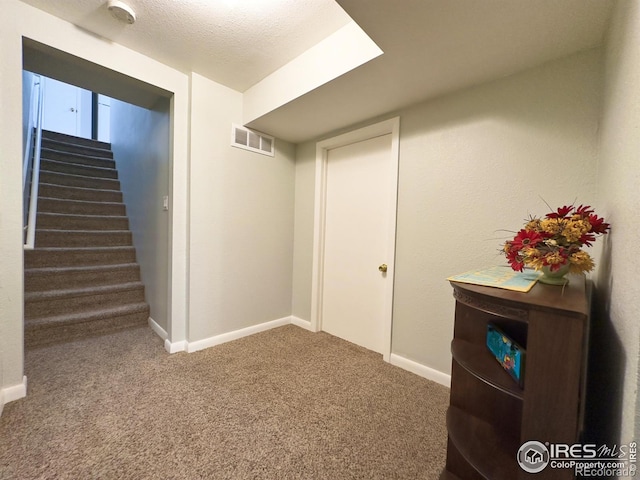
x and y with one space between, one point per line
303 232
140 144
474 164
241 221
618 192
35 24
11 274
471 164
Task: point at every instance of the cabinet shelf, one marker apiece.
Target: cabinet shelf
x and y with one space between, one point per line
490 416
495 458
479 362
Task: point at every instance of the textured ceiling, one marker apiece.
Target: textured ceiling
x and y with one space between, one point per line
434 47
233 42
431 47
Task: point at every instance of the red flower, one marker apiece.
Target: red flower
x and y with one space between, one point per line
598 224
584 210
525 239
561 213
515 262
587 238
513 257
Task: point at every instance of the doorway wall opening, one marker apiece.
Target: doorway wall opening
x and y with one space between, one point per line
87 100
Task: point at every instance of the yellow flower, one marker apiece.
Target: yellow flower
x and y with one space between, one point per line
575 228
555 258
533 225
531 252
551 225
536 262
580 262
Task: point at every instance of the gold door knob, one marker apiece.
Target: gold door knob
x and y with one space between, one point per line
383 268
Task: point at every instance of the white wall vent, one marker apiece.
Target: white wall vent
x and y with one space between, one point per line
247 139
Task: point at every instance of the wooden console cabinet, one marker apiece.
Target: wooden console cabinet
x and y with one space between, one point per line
490 416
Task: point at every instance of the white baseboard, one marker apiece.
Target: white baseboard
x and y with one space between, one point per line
170 347
190 347
298 322
175 347
421 370
158 329
236 334
14 392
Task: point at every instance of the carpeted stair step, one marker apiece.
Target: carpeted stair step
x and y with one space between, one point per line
53 278
76 207
67 256
78 193
76 169
62 328
64 179
77 159
81 279
60 221
82 238
68 147
76 300
63 137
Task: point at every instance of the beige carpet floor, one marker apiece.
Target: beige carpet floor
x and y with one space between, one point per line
282 404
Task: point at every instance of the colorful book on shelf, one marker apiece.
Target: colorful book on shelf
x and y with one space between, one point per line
499 277
510 355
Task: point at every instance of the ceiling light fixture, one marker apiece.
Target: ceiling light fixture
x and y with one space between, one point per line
121 11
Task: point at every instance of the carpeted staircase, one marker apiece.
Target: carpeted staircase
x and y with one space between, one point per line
81 279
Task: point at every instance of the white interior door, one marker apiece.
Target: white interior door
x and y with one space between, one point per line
61 107
359 203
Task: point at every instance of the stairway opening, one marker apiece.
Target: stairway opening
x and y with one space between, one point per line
84 276
81 279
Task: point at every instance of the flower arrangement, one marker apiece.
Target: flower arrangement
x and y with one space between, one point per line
556 240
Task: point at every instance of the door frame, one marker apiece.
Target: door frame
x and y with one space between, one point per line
391 126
